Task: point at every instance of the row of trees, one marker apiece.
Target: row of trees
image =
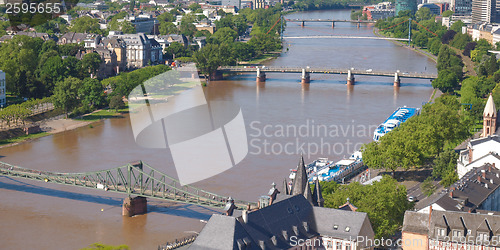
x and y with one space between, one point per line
223 48
18 113
439 127
33 67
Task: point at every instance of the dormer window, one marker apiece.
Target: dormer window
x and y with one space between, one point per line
441 232
483 236
457 233
335 227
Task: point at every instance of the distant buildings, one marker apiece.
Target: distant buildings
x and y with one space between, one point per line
379 11
402 5
140 50
143 24
450 230
435 8
461 7
483 11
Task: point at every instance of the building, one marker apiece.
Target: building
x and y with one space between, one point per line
477 190
140 50
489 118
461 7
282 222
402 5
434 8
379 11
3 99
450 230
258 4
143 24
73 37
483 11
235 3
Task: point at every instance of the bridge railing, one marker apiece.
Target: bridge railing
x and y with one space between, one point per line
135 178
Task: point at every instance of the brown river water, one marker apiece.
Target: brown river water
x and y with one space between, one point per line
283 119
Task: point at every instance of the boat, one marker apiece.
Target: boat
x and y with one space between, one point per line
401 115
325 170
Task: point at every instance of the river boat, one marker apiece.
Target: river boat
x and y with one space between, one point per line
395 120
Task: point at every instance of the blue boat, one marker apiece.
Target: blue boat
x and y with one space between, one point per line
399 116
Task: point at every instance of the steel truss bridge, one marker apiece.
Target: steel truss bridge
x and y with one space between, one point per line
330 20
136 178
318 70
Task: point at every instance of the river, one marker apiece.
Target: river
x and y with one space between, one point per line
283 120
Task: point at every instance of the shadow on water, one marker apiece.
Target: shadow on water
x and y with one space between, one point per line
157 206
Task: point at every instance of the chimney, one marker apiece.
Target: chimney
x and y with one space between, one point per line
494 165
479 178
430 215
451 192
244 216
489 168
229 208
483 173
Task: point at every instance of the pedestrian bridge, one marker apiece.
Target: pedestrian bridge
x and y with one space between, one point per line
136 178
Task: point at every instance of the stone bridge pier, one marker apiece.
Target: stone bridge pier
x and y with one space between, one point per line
261 76
397 80
333 25
306 76
350 78
134 206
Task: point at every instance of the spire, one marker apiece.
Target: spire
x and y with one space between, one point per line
300 180
317 196
490 110
285 187
307 193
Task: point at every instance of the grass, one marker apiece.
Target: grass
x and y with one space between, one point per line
24 138
260 59
101 114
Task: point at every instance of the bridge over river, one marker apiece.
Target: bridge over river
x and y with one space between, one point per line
136 178
333 21
261 76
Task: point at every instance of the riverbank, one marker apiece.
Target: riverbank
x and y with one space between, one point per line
402 44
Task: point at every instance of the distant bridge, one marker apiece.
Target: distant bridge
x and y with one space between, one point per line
333 21
346 37
306 73
136 178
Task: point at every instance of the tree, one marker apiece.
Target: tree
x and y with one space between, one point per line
428 187
385 202
168 28
447 13
457 26
91 63
448 36
263 42
211 57
447 81
66 93
423 14
91 93
224 35
85 24
176 50
124 26
444 167
435 46
116 103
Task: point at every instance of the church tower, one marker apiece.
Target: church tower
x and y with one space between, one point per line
489 118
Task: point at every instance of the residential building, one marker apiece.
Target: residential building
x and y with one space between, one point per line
435 9
258 4
235 3
73 37
476 190
119 47
140 50
281 222
143 23
450 230
410 5
43 36
3 99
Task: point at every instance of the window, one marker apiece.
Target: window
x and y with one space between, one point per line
347 229
483 236
339 245
335 227
457 233
441 232
347 246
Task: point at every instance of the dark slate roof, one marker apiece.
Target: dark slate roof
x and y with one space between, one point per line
271 227
349 224
468 192
485 139
300 181
415 222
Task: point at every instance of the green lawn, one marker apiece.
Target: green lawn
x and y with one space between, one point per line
24 138
260 59
102 114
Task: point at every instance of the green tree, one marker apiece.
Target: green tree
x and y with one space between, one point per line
224 35
444 167
125 26
167 28
447 81
176 50
457 26
116 102
211 57
85 24
66 93
423 14
428 187
385 202
447 13
91 63
91 93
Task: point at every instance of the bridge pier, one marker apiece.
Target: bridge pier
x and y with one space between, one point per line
397 80
350 78
358 25
302 24
261 76
306 77
333 25
134 206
